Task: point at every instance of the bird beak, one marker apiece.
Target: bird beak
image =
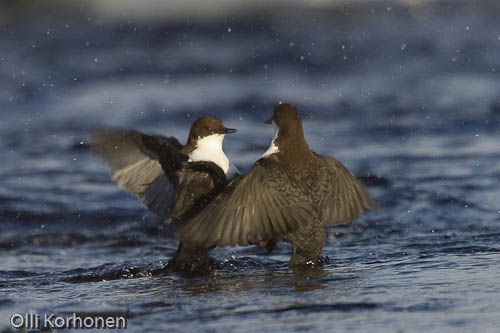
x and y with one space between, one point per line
230 130
270 120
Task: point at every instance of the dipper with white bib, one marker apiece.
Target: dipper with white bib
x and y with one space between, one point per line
169 178
291 194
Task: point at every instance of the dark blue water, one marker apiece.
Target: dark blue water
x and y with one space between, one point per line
408 98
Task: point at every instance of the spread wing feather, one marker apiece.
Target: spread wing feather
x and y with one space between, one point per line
343 197
135 168
253 207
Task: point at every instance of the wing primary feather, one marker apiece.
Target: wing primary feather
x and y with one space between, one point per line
252 206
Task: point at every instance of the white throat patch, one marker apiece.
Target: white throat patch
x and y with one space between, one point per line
272 148
209 149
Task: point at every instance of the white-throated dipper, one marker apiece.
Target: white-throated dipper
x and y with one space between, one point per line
291 194
170 178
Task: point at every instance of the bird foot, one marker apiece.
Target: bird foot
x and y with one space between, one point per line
297 262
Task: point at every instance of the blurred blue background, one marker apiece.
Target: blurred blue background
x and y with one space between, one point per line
405 93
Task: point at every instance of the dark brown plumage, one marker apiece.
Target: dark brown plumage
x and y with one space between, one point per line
158 170
290 195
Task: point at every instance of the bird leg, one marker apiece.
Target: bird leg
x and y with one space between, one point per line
190 260
307 243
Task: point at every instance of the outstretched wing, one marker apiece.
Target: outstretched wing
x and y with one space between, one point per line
343 197
135 168
255 206
198 184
